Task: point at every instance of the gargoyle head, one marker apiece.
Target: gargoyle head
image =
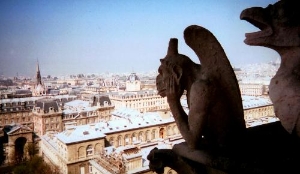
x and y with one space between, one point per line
279 25
171 70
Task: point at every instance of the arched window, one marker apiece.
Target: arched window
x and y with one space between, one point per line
153 134
89 150
81 152
119 141
134 137
147 135
141 138
98 148
162 133
127 139
111 141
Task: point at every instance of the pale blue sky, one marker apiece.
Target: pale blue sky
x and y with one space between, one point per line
71 37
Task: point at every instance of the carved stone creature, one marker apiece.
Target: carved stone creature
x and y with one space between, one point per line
215 118
280 31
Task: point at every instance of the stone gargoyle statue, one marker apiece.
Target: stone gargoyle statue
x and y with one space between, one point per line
279 26
215 122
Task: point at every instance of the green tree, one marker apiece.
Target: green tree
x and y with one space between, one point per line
32 149
36 165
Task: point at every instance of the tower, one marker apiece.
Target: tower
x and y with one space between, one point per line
38 75
39 88
133 83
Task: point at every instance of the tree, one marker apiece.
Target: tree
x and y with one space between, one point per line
36 165
32 149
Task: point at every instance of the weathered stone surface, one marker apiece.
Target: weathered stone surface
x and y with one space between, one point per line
215 123
268 149
265 149
215 118
280 31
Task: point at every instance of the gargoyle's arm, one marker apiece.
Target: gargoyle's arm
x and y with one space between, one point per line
191 126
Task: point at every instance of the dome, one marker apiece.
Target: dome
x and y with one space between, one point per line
133 77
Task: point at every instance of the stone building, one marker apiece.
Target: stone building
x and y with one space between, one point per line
17 110
80 112
133 83
119 145
132 135
71 149
18 93
143 101
258 110
44 114
47 116
15 139
254 89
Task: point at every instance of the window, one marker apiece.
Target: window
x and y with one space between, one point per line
127 139
119 141
81 152
141 136
90 169
147 135
111 141
153 134
133 137
82 170
89 150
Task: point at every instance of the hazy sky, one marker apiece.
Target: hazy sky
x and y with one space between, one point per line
85 36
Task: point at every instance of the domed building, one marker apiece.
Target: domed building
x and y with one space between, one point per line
133 83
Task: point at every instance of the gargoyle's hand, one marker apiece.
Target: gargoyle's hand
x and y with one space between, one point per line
173 90
156 164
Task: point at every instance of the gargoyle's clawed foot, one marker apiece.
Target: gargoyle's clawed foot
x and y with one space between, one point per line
156 164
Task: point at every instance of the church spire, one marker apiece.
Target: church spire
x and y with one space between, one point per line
38 74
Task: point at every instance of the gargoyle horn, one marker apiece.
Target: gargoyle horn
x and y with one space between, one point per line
173 47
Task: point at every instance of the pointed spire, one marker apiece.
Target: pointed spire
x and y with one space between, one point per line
37 66
38 74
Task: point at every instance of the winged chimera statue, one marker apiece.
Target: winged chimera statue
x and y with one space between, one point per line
208 115
280 31
215 122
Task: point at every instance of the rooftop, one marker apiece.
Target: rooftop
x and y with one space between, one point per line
100 129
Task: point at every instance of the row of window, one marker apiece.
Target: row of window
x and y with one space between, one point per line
15 120
89 150
142 136
18 103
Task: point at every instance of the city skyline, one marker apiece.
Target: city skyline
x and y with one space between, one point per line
71 37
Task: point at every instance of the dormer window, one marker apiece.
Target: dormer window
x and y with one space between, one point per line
105 103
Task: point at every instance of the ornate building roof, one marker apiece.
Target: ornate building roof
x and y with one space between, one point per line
103 100
48 105
133 77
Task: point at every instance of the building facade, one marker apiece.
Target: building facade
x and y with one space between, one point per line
133 83
118 145
49 114
143 101
254 89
